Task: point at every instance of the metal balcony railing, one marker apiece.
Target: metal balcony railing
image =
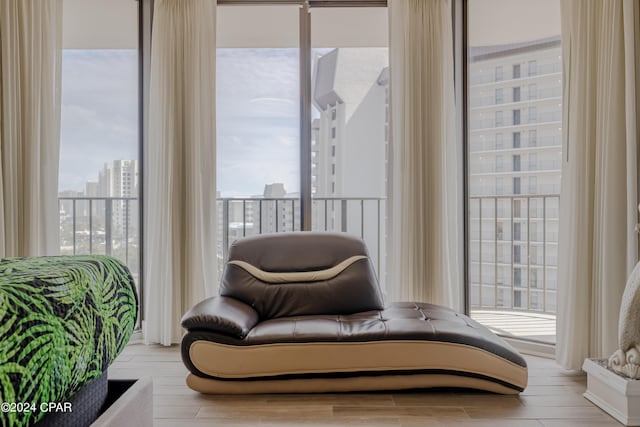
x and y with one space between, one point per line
513 250
101 225
109 225
360 216
501 276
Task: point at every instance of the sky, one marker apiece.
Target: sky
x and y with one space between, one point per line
257 117
257 120
99 113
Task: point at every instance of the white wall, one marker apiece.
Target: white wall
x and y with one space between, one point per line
100 24
276 26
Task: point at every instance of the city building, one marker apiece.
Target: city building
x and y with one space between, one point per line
119 179
350 96
515 155
277 215
349 145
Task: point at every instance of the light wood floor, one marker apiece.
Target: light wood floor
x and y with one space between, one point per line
552 399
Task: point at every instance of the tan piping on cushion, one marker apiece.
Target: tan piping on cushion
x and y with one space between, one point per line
297 276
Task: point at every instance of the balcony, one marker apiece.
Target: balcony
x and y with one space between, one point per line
513 291
109 225
361 216
513 262
100 225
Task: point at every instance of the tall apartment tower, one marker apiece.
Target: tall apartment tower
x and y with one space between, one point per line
119 178
515 155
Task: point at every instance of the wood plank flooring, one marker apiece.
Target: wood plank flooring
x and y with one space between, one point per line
552 399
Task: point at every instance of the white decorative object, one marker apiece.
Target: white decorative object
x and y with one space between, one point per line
626 360
626 363
613 384
615 394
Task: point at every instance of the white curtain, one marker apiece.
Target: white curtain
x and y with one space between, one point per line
425 190
598 211
30 59
180 198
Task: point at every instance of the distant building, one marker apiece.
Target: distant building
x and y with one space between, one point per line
278 214
91 189
119 179
275 190
349 145
515 149
349 139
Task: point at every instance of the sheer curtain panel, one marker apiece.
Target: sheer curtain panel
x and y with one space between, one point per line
598 246
180 198
30 59
425 189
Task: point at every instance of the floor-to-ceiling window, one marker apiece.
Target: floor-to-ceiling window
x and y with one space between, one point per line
99 135
264 87
514 158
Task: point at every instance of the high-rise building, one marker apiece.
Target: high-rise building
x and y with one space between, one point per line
515 155
119 179
349 145
350 93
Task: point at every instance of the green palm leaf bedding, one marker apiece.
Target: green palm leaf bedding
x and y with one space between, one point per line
63 320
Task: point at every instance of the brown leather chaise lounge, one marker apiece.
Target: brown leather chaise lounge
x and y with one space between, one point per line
303 312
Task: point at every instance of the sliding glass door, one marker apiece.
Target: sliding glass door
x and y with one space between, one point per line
514 161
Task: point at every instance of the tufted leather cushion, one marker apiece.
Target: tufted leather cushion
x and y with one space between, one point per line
354 289
399 321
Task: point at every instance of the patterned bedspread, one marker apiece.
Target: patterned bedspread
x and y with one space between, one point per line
63 320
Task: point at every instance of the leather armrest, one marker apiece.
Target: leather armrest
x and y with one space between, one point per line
221 314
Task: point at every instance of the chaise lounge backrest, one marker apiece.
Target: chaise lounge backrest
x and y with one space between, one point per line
302 273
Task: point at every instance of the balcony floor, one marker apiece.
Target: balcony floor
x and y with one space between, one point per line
518 324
